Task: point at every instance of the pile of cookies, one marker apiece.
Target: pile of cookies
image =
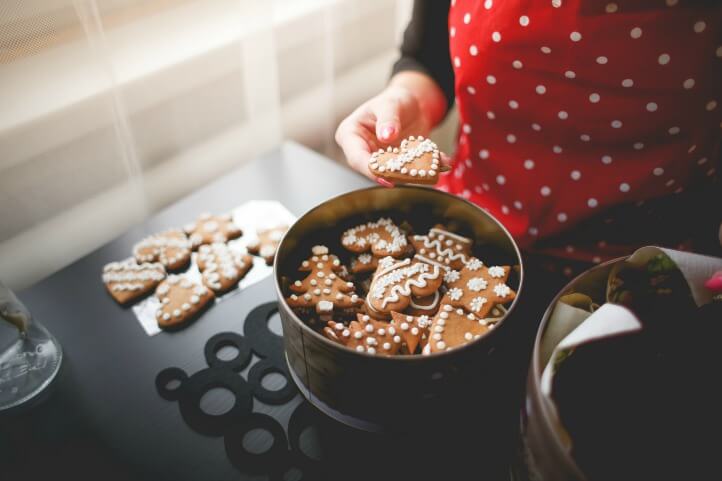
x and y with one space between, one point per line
181 299
402 294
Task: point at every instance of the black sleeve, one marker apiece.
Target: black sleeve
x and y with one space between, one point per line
425 47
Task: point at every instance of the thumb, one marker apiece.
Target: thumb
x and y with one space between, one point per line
388 123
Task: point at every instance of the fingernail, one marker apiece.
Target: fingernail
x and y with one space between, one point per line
387 132
715 283
384 182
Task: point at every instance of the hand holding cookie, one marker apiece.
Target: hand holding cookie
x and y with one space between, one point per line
412 104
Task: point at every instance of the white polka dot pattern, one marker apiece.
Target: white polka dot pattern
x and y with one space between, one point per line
600 105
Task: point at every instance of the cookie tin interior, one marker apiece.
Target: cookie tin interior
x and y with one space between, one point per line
422 208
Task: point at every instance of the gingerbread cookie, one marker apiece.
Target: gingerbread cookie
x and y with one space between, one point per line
212 228
414 330
452 328
396 281
442 247
415 161
364 263
382 238
323 289
171 248
478 288
180 301
267 242
366 335
222 267
127 281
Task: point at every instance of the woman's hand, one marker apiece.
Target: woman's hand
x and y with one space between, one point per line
412 104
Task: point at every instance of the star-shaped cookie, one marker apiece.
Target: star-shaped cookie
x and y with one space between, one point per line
478 288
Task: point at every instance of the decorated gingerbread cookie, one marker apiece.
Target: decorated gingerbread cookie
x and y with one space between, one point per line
267 242
323 289
396 281
415 161
212 228
127 281
180 301
478 288
414 330
443 247
171 248
382 238
364 263
366 335
222 267
452 327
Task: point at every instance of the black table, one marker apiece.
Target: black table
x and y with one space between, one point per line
104 417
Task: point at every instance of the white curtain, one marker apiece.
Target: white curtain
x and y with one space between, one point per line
112 109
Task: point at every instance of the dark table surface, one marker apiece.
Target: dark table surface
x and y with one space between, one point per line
104 417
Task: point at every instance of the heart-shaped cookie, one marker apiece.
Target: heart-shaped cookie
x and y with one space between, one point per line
415 161
171 248
127 281
382 238
180 301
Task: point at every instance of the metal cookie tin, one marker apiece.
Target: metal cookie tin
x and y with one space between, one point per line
377 393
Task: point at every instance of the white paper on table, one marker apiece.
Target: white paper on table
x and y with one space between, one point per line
251 217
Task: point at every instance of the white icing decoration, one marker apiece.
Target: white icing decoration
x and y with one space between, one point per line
434 241
365 259
210 226
477 284
325 306
455 294
357 236
477 303
502 290
451 276
497 272
429 307
397 163
474 264
319 250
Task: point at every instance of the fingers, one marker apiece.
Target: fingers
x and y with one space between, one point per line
355 147
388 119
714 284
445 162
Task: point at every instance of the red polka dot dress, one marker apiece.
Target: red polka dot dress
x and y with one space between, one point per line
571 108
